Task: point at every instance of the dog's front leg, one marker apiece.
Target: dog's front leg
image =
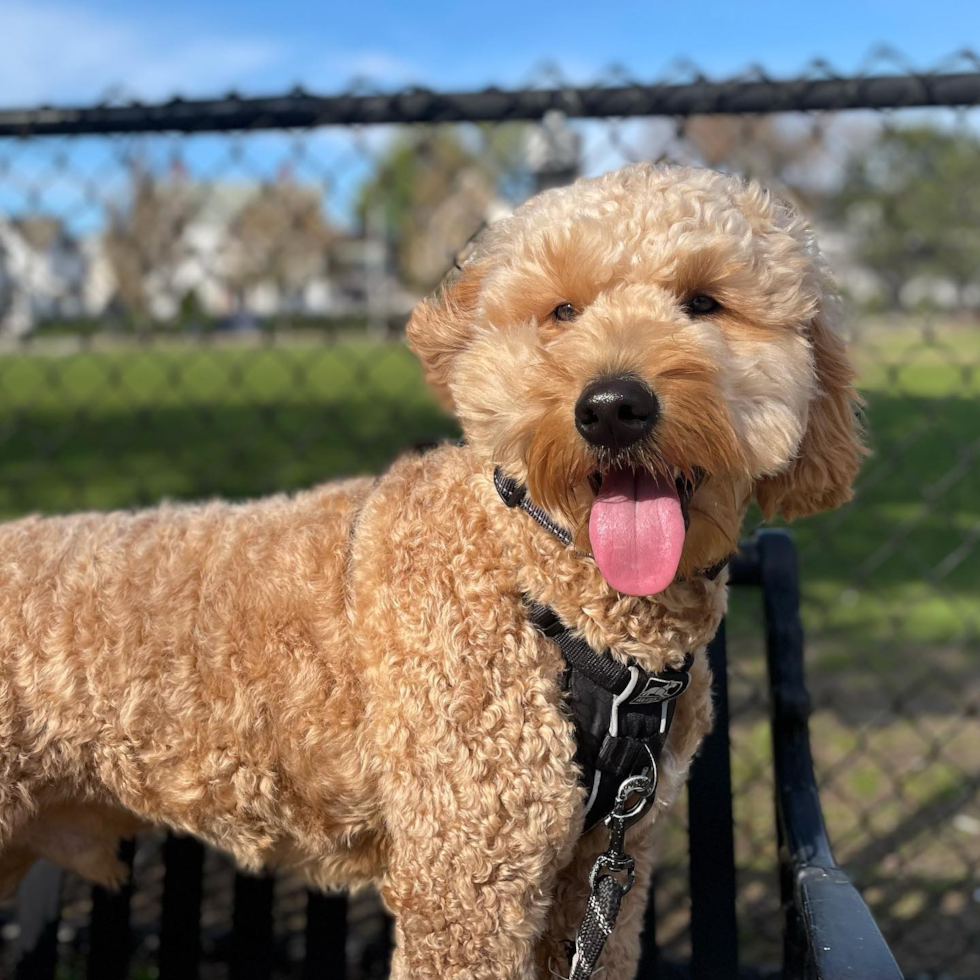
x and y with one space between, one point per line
621 954
471 880
482 808
471 876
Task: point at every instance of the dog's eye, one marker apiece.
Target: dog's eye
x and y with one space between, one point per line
701 305
564 313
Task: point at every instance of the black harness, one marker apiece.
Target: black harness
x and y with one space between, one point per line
622 715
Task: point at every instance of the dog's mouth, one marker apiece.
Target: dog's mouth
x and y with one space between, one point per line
637 527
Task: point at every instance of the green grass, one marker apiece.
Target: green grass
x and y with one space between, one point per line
887 563
900 562
117 429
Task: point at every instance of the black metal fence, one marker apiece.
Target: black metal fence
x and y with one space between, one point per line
206 298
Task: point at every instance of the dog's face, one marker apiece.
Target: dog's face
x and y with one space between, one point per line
647 350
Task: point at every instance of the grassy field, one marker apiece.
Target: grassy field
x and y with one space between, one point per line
114 429
890 580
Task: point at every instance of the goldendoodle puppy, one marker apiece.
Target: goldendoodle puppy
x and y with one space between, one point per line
346 684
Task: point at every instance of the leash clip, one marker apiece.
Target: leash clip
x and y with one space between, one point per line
633 799
606 891
635 795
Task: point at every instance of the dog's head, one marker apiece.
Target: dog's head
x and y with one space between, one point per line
647 350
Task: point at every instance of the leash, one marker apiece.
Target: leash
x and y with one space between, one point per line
633 800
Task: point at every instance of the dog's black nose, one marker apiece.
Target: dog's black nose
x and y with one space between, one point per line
615 413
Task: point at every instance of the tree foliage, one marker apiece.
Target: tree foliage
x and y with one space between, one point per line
432 191
282 237
144 236
911 205
780 153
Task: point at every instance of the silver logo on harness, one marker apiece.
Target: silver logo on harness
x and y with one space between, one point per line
658 689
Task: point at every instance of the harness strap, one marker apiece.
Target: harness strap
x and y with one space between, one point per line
609 674
622 717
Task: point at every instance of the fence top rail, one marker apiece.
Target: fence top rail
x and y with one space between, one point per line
302 110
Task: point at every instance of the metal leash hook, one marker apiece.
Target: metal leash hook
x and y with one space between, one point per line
633 799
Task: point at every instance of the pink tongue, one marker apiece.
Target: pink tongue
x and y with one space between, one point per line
637 531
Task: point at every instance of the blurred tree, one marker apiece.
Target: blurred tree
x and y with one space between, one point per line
430 194
281 237
41 231
191 314
911 204
144 235
773 150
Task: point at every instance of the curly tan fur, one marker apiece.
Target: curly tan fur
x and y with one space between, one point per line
344 683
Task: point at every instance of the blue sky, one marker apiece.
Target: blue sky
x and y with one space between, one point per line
71 52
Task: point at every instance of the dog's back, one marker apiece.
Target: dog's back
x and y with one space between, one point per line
174 659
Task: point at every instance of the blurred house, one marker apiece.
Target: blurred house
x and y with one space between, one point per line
43 273
233 251
217 249
179 250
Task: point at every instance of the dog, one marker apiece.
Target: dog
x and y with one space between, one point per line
344 683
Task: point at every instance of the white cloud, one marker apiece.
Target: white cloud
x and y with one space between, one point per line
64 53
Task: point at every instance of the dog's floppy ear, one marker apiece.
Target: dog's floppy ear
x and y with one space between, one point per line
822 474
441 326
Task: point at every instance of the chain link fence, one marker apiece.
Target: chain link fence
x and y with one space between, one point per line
205 298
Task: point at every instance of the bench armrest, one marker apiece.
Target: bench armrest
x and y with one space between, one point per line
829 933
841 936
